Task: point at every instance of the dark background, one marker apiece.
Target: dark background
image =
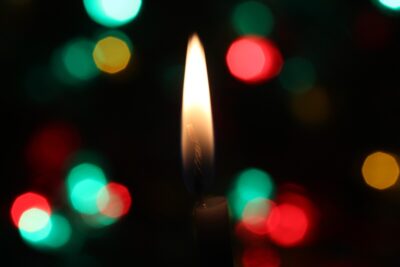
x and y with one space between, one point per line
133 120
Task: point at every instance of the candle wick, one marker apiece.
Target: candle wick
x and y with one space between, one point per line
197 156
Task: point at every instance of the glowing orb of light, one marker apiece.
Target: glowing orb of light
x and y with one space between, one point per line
297 75
260 257
112 13
59 234
85 194
380 170
255 215
84 184
111 54
34 225
33 220
114 200
393 5
253 59
252 17
288 225
250 184
26 202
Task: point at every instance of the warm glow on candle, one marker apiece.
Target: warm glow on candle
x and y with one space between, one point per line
197 127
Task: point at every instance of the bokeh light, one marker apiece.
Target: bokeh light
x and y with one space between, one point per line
34 216
288 225
312 107
60 232
253 59
255 215
380 170
51 146
111 54
260 257
33 220
297 75
112 13
293 220
393 5
250 184
26 202
114 200
252 17
84 184
73 63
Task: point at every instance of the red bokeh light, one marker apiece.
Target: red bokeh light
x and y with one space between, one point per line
260 257
288 225
28 201
50 148
253 59
119 201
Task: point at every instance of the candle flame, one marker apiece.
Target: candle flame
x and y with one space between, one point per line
197 127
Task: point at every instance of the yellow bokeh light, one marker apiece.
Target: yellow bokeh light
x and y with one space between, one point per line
380 170
111 55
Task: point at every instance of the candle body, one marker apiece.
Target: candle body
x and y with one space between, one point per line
211 220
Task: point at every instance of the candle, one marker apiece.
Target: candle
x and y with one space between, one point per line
211 217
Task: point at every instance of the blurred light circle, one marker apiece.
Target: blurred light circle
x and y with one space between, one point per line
39 235
59 234
253 59
84 196
85 171
288 225
33 220
84 184
255 215
380 170
111 54
26 202
114 200
112 13
297 75
389 4
250 184
252 17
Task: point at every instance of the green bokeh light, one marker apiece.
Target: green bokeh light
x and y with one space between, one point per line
38 230
60 232
250 184
252 17
74 63
389 4
84 184
112 13
298 75
33 220
84 196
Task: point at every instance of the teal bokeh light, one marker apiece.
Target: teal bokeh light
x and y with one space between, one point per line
298 75
84 184
73 63
38 230
393 5
252 17
250 184
113 13
60 233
